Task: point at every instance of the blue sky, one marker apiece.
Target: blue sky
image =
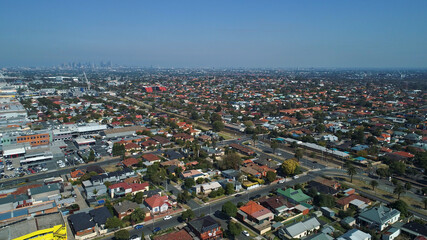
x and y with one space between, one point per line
215 33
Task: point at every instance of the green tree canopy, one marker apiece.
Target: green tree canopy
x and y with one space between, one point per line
122 235
229 209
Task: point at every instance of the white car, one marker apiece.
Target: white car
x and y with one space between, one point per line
296 177
245 233
167 217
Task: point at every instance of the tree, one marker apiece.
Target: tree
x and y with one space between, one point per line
383 172
138 215
374 184
183 197
189 182
229 209
398 167
254 138
218 126
200 180
220 191
215 117
113 222
274 145
118 149
271 176
401 206
320 128
408 186
324 200
122 235
91 157
299 153
234 228
289 166
139 197
213 194
231 160
351 171
398 190
187 215
229 188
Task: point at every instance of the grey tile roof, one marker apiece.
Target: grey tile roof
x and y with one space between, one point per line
379 214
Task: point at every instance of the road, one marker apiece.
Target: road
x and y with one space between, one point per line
214 209
343 173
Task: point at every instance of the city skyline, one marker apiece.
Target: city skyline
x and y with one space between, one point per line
192 34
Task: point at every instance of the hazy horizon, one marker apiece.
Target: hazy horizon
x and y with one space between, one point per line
220 34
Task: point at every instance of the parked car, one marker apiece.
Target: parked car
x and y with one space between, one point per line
139 226
296 177
167 217
245 233
156 229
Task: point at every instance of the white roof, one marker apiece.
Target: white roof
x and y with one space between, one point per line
38 158
14 151
355 234
360 204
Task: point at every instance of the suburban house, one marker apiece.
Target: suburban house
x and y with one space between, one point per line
206 188
112 176
242 149
75 175
123 188
294 196
277 204
353 199
378 217
130 162
206 228
82 226
415 229
300 229
158 204
100 216
195 174
125 208
236 184
149 157
254 212
355 234
231 174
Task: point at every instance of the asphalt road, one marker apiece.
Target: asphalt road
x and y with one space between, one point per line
339 172
214 209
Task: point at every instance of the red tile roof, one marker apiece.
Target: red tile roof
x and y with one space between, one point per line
77 173
150 157
180 235
346 200
128 162
254 209
404 154
156 201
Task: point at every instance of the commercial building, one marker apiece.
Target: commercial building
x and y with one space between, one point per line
46 227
